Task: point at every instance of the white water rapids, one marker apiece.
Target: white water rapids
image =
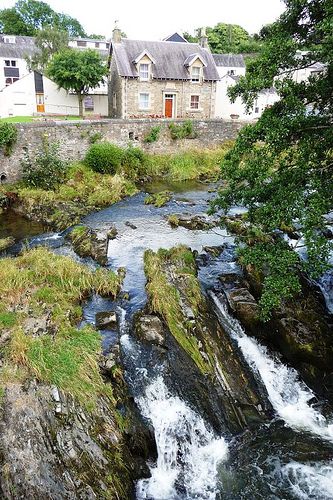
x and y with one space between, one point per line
290 397
188 452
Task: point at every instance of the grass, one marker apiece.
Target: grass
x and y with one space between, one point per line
165 298
39 284
188 165
29 119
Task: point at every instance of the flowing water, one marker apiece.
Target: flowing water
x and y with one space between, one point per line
287 457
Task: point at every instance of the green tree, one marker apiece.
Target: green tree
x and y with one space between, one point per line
48 41
224 38
77 71
30 16
281 167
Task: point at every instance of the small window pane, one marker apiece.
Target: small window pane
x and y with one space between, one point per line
7 62
144 101
194 102
195 74
144 71
13 63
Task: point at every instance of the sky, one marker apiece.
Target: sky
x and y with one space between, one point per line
153 20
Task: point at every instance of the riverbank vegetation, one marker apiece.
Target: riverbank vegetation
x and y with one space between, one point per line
59 195
39 313
281 166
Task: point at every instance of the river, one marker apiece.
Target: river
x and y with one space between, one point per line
287 457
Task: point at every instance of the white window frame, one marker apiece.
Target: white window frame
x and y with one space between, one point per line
195 108
196 78
146 105
114 100
143 74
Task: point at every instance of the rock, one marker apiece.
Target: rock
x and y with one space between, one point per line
36 326
88 243
107 319
150 329
196 222
112 233
129 224
215 251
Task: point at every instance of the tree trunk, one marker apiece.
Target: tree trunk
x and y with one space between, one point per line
80 98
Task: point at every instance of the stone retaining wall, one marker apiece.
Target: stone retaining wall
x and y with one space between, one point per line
75 138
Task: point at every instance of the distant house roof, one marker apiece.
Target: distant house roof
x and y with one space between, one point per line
175 37
229 60
22 46
169 59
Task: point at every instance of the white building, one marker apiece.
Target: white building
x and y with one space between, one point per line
230 68
24 93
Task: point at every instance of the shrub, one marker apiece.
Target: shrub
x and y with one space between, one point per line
8 137
46 170
96 137
133 162
182 131
104 157
153 135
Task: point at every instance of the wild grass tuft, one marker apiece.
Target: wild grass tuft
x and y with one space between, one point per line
40 284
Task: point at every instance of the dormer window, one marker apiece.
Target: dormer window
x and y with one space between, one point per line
144 71
9 39
195 73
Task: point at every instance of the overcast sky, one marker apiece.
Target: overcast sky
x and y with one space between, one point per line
154 20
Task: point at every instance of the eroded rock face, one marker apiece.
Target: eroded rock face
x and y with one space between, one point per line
52 448
301 328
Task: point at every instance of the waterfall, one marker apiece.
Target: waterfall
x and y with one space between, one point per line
309 481
188 452
290 397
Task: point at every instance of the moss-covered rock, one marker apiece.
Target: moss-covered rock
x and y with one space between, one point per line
158 199
6 243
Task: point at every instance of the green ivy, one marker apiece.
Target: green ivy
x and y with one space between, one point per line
8 137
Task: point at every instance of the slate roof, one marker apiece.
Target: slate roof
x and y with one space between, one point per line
175 37
229 60
23 46
169 56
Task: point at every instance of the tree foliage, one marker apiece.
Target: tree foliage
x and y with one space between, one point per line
48 41
77 71
228 38
281 167
27 17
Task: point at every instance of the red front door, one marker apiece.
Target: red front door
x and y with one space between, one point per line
168 107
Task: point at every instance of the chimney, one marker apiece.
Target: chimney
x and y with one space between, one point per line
116 33
203 39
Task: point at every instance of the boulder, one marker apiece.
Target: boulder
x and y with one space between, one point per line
106 319
149 328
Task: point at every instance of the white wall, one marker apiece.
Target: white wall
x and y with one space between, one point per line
20 64
224 108
19 99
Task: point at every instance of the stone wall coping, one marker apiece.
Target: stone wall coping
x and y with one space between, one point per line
120 121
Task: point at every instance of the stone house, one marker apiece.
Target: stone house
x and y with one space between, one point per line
170 79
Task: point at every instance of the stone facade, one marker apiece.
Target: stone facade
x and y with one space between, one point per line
131 88
74 138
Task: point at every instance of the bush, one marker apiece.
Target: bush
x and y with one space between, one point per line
182 131
46 170
104 157
153 134
133 162
8 137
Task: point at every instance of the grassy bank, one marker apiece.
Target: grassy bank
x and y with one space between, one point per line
83 190
39 312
